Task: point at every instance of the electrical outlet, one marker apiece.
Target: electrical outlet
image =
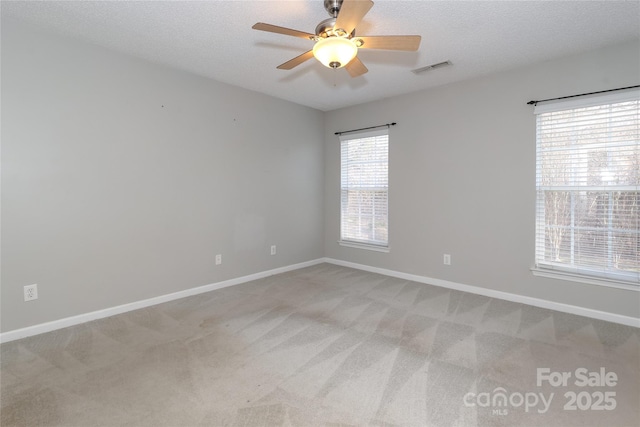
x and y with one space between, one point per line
218 259
30 292
273 249
447 259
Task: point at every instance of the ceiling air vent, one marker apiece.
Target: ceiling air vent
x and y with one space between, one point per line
431 67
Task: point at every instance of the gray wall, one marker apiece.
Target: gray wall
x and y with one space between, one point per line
462 177
122 179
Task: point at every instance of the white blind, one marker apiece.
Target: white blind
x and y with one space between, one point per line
588 187
364 188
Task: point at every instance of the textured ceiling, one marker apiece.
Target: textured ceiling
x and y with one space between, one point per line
215 39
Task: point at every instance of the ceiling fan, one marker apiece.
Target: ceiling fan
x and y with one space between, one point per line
336 42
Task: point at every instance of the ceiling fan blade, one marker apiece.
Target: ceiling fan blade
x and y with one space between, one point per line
351 13
296 61
389 42
282 30
356 67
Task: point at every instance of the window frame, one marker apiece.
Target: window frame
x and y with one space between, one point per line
569 271
357 243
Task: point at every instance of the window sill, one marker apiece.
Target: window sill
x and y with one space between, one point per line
368 247
581 278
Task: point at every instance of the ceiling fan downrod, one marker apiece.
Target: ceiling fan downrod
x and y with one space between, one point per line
333 7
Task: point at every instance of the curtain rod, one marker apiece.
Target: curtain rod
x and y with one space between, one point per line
370 127
582 94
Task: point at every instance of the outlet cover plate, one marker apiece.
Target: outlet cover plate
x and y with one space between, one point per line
30 292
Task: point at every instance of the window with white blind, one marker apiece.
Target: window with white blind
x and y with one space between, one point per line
364 189
588 189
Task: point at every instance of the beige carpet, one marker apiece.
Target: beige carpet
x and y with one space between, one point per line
325 345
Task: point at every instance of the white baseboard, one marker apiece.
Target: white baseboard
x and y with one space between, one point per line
112 311
536 302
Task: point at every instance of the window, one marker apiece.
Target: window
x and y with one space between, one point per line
364 189
588 189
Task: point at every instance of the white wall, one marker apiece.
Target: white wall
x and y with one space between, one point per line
122 179
462 177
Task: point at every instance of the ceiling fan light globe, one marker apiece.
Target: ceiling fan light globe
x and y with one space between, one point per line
335 52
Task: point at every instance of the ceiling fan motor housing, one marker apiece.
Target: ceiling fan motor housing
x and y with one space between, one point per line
325 28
